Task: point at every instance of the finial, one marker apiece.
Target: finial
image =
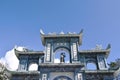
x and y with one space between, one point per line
61 32
98 47
74 32
81 31
69 33
41 32
109 46
15 46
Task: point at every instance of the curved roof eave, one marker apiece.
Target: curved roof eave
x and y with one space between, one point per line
43 37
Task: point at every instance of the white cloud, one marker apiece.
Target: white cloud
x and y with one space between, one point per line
33 67
10 60
57 60
67 61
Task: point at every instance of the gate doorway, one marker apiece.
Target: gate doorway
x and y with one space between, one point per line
62 78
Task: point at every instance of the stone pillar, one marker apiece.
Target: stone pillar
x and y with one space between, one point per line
74 52
48 52
23 65
101 62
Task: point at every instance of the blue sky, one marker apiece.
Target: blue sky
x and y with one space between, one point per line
21 20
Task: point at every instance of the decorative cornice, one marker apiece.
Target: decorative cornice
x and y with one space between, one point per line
28 52
68 35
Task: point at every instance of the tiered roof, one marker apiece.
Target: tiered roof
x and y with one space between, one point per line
60 35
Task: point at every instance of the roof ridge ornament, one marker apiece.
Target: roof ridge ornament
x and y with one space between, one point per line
81 31
69 32
98 47
20 48
62 32
41 32
108 47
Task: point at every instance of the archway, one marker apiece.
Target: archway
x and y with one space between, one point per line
33 67
62 78
57 55
91 66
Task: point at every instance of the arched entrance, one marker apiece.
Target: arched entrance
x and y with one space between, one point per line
91 64
62 78
57 55
33 67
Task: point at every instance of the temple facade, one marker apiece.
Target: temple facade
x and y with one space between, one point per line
71 62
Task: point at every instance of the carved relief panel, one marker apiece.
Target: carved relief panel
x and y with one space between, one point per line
61 44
